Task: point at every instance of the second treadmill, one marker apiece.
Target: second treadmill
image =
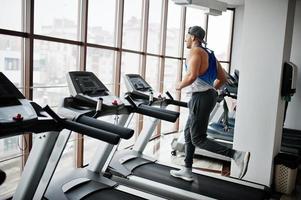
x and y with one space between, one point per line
134 169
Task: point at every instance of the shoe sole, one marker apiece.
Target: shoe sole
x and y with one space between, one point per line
182 177
246 165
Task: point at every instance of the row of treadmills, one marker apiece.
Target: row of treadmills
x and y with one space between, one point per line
124 174
221 126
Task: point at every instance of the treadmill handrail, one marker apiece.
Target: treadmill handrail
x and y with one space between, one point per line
90 131
159 113
123 132
171 101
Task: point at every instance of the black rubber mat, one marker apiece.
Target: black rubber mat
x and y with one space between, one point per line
203 185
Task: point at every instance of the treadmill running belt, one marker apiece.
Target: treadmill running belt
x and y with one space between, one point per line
204 185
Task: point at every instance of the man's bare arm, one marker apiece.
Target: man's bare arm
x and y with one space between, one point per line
192 74
221 76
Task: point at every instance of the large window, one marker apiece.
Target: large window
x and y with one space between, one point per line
154 26
194 17
11 65
11 14
67 160
220 43
173 30
132 24
170 81
52 61
57 18
101 28
11 59
152 72
101 63
129 65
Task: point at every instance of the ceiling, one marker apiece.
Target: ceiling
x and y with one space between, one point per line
233 3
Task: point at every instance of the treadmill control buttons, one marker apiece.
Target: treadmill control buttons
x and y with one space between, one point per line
115 102
18 117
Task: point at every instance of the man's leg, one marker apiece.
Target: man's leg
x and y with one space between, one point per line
189 147
201 106
186 172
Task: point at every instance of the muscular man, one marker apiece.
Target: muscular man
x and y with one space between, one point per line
204 76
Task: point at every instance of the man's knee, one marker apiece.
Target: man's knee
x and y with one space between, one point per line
198 141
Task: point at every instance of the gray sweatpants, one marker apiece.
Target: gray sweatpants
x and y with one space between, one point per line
200 106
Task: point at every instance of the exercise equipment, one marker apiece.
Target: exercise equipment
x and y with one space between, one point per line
90 96
19 115
139 171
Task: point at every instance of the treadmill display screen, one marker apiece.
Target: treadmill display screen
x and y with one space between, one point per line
87 83
8 89
89 86
140 84
9 94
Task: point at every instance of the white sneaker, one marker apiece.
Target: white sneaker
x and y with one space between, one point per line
184 173
241 159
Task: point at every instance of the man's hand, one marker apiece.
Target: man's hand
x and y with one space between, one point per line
178 87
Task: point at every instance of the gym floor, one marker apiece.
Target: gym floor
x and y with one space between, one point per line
161 149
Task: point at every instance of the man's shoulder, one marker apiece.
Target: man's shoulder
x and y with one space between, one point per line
198 51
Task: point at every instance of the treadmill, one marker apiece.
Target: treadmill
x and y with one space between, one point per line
89 95
19 115
139 171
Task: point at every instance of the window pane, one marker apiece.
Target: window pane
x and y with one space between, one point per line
152 72
12 66
91 144
52 61
57 18
101 62
50 96
170 81
194 17
132 24
67 160
152 78
154 25
11 58
11 14
225 66
101 28
170 75
13 170
184 97
220 43
129 65
10 147
173 30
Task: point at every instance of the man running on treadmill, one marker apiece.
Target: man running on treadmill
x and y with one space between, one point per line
205 76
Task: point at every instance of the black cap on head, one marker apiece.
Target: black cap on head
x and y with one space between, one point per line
198 32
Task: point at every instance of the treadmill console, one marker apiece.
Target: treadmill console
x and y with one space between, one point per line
87 85
134 82
14 107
